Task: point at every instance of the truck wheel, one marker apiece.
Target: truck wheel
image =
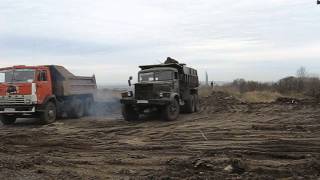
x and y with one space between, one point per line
88 107
77 109
196 103
129 114
7 120
171 111
49 113
189 106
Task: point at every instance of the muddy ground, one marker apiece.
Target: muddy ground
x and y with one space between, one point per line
227 139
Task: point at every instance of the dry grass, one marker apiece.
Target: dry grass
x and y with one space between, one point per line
260 96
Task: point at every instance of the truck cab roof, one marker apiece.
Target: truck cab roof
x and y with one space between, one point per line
159 69
182 68
172 65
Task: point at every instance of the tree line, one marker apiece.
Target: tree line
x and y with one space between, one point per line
302 83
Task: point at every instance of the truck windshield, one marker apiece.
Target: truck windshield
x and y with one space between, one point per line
17 75
156 76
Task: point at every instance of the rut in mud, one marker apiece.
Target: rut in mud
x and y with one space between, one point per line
227 139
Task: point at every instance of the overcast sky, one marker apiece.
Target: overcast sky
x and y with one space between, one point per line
251 39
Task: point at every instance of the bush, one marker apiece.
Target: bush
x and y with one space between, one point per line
309 86
248 86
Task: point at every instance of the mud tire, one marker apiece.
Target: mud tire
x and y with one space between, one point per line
76 109
49 114
88 107
171 111
196 103
7 120
190 105
129 114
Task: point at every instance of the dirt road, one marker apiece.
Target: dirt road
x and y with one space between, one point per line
226 140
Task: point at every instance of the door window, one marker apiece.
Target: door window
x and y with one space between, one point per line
2 77
43 76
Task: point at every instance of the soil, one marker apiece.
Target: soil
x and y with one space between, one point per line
227 139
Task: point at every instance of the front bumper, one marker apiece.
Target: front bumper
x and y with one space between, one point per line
150 102
17 109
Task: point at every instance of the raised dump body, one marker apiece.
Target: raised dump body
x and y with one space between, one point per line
66 84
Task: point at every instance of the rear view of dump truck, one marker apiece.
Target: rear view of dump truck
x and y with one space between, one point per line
167 88
46 92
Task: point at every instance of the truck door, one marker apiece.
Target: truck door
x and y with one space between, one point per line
176 82
44 88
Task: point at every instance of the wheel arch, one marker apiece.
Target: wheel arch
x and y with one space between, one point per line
175 96
51 98
193 91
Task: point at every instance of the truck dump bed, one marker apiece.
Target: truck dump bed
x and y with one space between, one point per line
66 84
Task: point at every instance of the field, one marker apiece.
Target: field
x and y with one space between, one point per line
227 139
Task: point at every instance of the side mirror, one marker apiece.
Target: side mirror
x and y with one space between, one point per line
129 81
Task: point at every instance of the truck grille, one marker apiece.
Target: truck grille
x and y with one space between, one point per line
15 99
144 91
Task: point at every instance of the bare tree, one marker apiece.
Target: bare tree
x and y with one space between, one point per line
302 72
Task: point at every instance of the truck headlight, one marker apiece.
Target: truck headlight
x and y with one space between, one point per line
28 101
130 93
127 94
164 95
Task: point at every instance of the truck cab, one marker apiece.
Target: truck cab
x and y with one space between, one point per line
168 88
22 89
156 84
31 91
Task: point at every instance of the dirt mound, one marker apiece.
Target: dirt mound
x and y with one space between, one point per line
290 100
204 168
219 98
219 101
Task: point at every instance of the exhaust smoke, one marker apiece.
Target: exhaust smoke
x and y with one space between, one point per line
107 103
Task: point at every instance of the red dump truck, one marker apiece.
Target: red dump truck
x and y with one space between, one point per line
46 92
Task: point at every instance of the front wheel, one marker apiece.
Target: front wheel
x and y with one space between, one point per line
7 120
49 113
129 113
171 111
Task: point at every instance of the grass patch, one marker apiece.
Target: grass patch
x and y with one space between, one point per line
260 96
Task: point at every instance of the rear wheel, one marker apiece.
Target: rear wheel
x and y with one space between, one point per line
49 113
196 103
7 120
129 113
88 107
190 105
171 111
76 109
